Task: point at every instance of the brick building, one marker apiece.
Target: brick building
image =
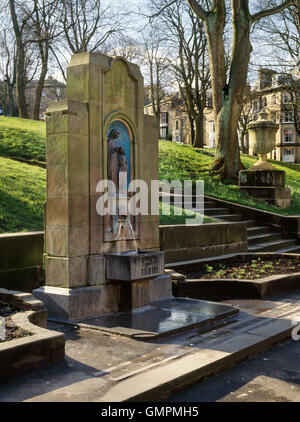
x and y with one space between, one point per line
270 92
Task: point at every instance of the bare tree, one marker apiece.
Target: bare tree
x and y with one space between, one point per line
186 41
228 94
19 19
88 24
8 68
155 61
43 27
282 35
246 117
126 47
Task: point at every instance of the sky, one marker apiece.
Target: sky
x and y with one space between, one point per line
260 56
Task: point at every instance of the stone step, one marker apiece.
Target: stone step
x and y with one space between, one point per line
271 246
189 197
229 217
263 238
291 249
216 211
250 223
258 230
207 204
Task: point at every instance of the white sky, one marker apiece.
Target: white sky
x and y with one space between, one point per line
137 22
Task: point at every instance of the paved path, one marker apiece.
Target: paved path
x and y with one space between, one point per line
273 376
102 367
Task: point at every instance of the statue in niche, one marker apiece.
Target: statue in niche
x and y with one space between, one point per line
122 161
112 157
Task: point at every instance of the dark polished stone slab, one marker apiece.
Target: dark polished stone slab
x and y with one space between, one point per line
163 318
201 307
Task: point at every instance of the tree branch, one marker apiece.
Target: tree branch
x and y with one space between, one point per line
267 12
155 15
200 12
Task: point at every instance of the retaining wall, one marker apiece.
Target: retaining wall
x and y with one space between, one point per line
21 254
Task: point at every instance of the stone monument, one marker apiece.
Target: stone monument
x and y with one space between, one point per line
107 268
98 132
262 181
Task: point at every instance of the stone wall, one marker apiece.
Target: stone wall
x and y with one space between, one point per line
184 243
21 259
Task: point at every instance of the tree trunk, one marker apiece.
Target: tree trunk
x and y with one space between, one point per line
158 125
4 100
39 90
214 28
243 145
20 68
10 101
21 83
198 139
227 158
192 130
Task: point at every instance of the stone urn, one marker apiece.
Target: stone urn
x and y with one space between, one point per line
262 134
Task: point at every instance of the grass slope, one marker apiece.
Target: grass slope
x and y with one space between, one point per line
22 196
22 139
182 162
23 186
172 219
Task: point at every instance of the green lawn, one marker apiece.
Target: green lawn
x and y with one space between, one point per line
174 219
22 139
22 196
182 162
23 186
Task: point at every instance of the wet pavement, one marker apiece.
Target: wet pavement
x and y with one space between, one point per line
110 367
273 376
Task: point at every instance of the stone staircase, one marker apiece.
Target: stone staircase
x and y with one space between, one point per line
261 238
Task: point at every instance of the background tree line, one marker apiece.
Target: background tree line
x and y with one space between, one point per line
200 48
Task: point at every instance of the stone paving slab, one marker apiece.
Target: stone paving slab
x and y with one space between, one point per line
163 317
105 367
272 376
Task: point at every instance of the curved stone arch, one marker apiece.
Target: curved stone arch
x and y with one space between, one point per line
133 134
133 69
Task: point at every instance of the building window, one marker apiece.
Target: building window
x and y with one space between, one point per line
177 138
164 118
273 116
288 117
212 135
177 125
274 101
164 132
58 91
289 155
264 102
288 136
286 98
256 105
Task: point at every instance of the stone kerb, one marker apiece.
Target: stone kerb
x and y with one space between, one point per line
40 349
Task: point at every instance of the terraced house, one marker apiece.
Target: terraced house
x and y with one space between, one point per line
279 95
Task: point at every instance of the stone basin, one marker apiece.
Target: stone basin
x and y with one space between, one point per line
132 266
